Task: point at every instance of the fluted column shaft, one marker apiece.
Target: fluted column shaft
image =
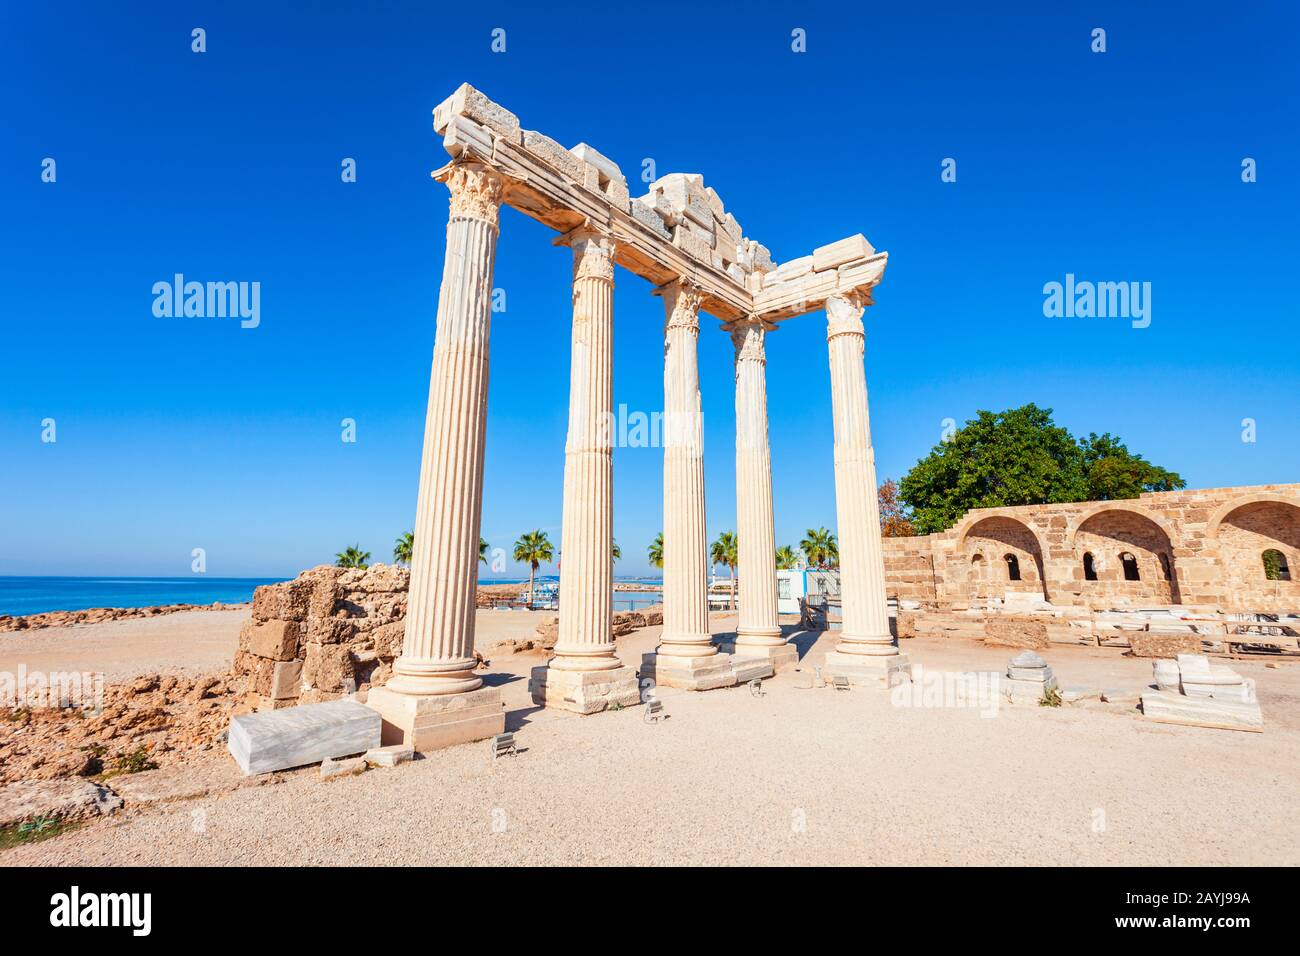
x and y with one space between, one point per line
585 640
862 565
755 535
686 544
438 645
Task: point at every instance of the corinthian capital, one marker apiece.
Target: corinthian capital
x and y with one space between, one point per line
682 302
748 339
593 253
476 192
844 313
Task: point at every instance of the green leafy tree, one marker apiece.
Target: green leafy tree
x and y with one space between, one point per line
403 548
723 552
352 557
533 547
786 557
482 550
1020 457
820 548
1113 472
616 552
656 551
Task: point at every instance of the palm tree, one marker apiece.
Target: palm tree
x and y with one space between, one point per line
403 548
482 549
724 553
353 557
786 557
533 547
616 552
820 548
656 551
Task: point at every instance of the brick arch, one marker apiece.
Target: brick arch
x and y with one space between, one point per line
995 536
1238 535
1112 531
1123 505
1216 520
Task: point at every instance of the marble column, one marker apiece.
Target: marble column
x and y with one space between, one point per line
865 652
585 675
759 634
435 698
686 541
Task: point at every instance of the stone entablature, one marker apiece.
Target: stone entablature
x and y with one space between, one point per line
678 229
1200 548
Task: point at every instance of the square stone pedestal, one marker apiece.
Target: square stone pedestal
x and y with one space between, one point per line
862 669
436 721
781 655
704 673
584 692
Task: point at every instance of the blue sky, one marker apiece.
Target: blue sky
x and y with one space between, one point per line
182 433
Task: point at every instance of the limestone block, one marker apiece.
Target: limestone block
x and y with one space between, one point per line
464 135
287 601
330 630
1169 708
838 253
470 103
432 722
331 769
646 215
327 666
691 244
389 756
297 736
1025 690
592 157
715 203
275 640
793 269
1158 644
286 680
762 257
782 656
724 246
1028 659
584 692
861 669
1165 674
1039 674
1193 664
732 228
689 673
554 155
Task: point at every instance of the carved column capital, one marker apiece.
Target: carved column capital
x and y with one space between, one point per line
593 253
749 340
682 301
476 192
844 312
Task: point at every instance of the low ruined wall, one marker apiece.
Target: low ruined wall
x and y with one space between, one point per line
328 632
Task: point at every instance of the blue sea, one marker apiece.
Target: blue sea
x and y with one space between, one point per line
19 596
35 595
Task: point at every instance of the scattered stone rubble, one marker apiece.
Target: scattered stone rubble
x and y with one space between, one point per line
154 719
1192 691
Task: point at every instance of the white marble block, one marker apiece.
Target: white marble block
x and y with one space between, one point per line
1202 712
297 736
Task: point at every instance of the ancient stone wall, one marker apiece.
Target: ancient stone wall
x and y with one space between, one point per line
325 633
1203 548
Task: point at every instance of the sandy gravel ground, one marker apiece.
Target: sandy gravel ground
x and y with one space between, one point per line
187 641
798 776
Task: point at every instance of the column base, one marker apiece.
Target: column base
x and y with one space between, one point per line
584 692
432 722
866 670
703 673
781 655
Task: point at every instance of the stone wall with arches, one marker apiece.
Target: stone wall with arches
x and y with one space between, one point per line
1230 549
